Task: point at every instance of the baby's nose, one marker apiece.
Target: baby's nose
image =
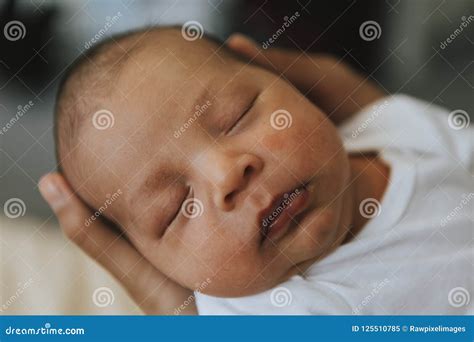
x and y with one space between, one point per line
231 176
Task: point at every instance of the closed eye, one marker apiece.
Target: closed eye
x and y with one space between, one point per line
239 119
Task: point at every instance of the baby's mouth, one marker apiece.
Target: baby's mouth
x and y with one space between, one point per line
276 219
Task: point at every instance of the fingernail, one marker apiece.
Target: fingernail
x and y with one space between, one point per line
52 193
243 37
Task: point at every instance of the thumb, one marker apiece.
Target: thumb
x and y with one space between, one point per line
67 207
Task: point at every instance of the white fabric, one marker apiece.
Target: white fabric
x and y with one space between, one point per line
417 256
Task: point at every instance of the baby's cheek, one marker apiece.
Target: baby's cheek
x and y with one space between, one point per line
273 142
285 140
233 275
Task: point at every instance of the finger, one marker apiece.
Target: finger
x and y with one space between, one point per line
244 46
275 59
330 84
299 68
98 240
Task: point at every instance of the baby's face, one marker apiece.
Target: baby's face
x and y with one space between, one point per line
208 131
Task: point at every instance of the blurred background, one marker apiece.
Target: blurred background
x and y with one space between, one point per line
424 48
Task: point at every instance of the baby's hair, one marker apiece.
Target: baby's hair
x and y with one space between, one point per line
88 81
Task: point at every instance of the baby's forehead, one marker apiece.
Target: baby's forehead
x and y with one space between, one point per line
164 88
177 54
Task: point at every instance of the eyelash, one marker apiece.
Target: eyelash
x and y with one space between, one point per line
176 214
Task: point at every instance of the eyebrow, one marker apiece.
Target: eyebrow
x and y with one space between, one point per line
202 97
156 180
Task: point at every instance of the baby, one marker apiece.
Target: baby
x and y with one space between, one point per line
230 182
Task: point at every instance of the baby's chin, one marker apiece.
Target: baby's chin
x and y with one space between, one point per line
238 285
327 234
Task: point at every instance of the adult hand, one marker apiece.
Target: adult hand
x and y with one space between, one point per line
153 292
327 82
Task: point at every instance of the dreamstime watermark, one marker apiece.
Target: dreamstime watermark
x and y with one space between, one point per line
14 297
199 110
373 293
287 202
281 119
192 298
288 21
14 30
367 122
281 296
109 22
192 30
14 208
103 119
465 200
458 119
458 297
21 110
103 296
369 208
370 30
464 24
192 208
46 330
108 202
